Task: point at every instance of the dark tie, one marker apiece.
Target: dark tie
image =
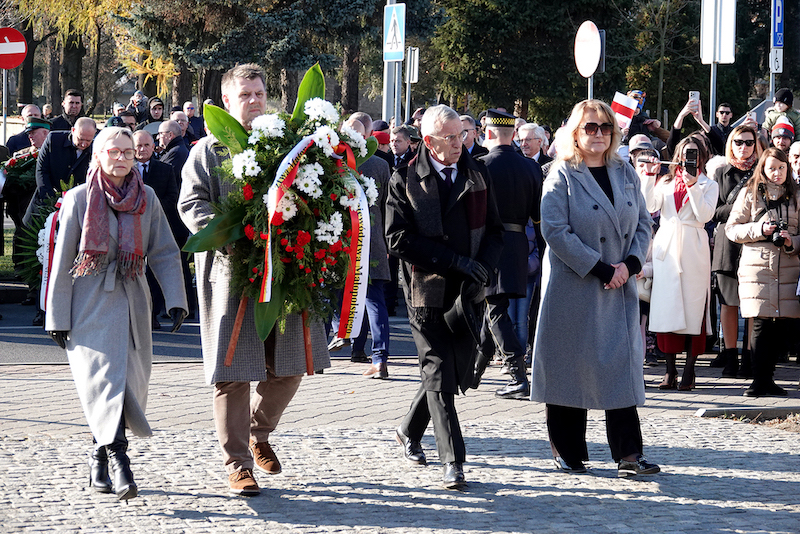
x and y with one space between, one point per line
145 167
448 181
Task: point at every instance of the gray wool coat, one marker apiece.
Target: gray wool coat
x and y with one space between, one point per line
588 349
110 345
201 188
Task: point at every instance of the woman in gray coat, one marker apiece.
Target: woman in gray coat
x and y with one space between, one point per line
98 303
588 349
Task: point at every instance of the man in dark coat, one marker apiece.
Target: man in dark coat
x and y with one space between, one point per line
174 151
63 155
532 139
471 137
19 141
400 143
442 222
516 182
73 110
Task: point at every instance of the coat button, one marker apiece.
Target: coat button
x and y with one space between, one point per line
626 236
445 237
595 206
434 260
602 239
630 203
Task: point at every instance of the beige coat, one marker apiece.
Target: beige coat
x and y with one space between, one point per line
767 274
681 256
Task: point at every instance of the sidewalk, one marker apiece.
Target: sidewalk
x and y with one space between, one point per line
343 471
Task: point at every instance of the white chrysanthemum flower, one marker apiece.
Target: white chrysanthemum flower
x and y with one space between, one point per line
42 237
337 223
245 163
321 111
269 125
255 136
350 202
329 232
370 189
287 207
41 254
357 141
265 198
326 138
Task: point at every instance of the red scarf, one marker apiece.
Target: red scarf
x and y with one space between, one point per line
744 164
680 189
129 202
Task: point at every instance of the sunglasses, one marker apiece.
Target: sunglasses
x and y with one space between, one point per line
746 142
591 128
724 112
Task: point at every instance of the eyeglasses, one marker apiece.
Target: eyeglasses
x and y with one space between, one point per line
746 142
189 107
591 128
453 137
115 153
721 112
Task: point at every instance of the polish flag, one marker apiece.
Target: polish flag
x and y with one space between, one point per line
625 109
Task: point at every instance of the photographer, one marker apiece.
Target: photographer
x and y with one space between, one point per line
764 219
679 299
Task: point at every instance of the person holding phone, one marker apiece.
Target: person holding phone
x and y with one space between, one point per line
764 219
680 296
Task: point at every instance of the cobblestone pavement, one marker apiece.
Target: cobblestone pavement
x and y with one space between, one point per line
343 471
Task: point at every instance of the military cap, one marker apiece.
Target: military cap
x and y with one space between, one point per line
499 118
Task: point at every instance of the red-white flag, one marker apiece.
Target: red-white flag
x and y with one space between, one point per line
625 109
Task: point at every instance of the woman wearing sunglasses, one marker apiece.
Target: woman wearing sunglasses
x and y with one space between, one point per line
764 219
588 350
742 151
98 303
680 296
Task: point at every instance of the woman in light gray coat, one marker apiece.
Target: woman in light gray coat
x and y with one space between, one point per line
588 350
98 303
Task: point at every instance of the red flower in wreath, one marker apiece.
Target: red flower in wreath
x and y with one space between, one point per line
247 191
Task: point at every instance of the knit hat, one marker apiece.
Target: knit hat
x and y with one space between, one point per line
783 128
381 137
379 125
784 95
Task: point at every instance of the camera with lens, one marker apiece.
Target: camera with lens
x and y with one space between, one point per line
777 239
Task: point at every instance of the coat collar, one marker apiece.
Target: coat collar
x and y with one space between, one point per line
425 171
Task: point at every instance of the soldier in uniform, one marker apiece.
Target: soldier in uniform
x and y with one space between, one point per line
517 183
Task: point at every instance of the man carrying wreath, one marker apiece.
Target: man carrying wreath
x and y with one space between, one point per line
243 424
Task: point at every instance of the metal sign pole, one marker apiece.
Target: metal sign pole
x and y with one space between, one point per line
398 93
591 87
5 103
408 84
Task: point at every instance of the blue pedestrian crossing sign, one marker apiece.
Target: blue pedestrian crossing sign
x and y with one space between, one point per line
394 32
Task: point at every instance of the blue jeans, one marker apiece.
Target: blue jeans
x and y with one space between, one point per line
378 317
518 311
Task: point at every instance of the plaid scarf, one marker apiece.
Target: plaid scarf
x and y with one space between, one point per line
129 202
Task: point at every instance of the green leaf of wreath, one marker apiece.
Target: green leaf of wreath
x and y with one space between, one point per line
267 313
223 229
372 146
312 86
225 128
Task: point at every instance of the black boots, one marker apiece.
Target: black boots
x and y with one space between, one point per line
730 358
519 387
481 362
120 465
98 470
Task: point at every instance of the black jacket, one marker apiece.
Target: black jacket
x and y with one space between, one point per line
58 161
175 154
161 177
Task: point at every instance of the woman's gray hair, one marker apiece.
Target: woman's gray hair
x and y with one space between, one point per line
106 134
435 117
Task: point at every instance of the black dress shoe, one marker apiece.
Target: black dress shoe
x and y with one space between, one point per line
412 450
567 468
38 320
454 476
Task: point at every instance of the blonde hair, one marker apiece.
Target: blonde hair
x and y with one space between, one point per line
742 128
566 137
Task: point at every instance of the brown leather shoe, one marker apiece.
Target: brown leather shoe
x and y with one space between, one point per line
265 458
377 371
242 483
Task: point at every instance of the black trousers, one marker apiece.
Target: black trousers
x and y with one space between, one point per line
770 339
567 429
498 329
439 407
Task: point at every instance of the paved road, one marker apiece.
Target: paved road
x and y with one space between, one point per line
343 473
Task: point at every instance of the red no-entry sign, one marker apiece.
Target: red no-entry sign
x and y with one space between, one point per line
13 48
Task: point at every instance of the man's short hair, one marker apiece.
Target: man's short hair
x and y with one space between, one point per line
172 126
84 122
127 113
141 133
724 105
248 71
538 131
469 119
402 130
364 119
73 92
435 117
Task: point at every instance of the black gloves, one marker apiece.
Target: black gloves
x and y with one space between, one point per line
60 337
177 315
472 269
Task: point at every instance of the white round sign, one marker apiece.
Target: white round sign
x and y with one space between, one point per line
587 49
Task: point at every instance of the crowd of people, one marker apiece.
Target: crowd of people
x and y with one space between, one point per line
501 236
